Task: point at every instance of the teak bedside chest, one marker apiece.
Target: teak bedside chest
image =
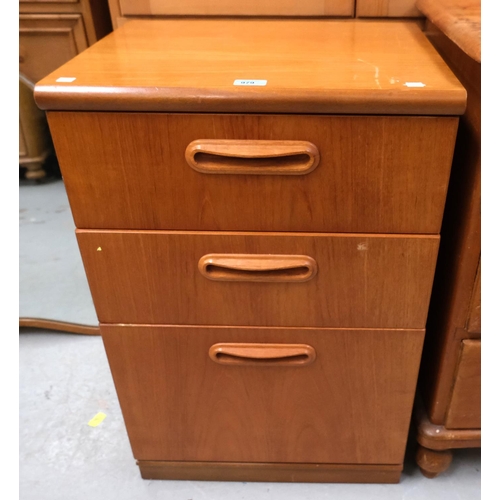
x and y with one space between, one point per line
258 205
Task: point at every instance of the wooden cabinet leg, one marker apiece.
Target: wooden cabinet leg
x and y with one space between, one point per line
35 170
432 462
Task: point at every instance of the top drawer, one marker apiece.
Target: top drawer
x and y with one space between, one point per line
377 174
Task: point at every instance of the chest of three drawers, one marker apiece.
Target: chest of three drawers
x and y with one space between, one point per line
260 258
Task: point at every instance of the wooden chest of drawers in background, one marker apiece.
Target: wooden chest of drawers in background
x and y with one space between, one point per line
450 378
258 206
51 32
125 10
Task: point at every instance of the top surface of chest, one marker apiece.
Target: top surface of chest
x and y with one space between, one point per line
298 66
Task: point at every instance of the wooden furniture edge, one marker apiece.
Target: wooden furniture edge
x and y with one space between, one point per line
438 437
435 442
274 472
99 18
462 32
58 326
50 7
460 251
118 15
58 97
115 12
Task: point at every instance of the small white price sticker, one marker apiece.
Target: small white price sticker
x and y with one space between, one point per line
66 79
251 83
414 84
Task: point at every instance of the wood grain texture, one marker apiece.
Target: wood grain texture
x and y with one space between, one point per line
239 8
387 8
62 37
376 174
438 437
460 248
351 406
474 322
190 65
464 411
459 20
362 280
290 473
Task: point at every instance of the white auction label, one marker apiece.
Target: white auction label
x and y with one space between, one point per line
255 83
66 79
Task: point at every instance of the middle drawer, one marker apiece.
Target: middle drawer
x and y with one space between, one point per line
261 279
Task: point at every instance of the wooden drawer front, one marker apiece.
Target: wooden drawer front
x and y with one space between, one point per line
464 411
387 8
376 174
361 280
47 41
351 405
238 8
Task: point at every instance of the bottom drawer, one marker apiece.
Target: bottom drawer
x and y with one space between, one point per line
464 411
250 394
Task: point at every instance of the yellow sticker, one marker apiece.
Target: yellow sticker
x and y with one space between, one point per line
94 422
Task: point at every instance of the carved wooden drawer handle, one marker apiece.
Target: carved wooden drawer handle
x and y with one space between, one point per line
218 156
262 354
271 268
